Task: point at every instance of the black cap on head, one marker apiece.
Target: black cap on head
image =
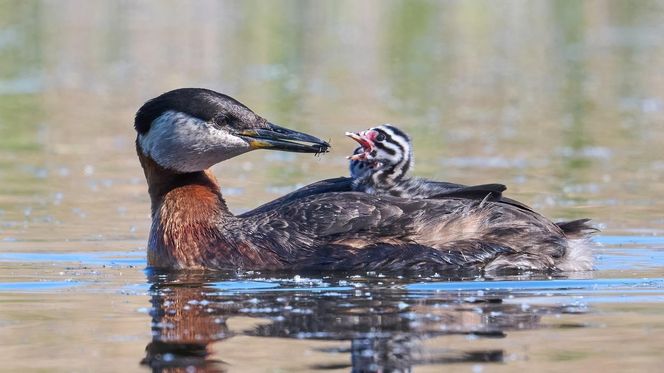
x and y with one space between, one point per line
201 103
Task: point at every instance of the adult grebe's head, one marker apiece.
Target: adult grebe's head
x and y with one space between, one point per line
191 129
382 148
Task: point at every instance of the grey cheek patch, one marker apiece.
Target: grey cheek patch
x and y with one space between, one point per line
183 143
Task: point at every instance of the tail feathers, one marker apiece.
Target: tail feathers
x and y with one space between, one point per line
521 261
578 257
580 228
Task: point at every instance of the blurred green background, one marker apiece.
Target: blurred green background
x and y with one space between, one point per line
563 101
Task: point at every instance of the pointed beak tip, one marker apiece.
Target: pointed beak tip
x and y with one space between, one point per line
280 138
360 139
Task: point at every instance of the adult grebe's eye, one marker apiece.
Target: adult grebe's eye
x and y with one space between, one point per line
380 136
224 120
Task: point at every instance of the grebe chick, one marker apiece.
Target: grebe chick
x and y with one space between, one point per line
381 163
182 133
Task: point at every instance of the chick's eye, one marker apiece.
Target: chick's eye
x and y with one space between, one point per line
380 137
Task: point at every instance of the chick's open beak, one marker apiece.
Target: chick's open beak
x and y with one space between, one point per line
365 143
280 138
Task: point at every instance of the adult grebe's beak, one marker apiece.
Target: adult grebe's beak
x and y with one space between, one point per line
279 138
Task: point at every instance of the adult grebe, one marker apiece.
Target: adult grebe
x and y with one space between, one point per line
184 132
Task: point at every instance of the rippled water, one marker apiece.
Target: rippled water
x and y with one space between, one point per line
562 101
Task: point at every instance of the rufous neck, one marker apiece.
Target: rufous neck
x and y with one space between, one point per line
191 188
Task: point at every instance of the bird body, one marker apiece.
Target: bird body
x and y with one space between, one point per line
192 228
